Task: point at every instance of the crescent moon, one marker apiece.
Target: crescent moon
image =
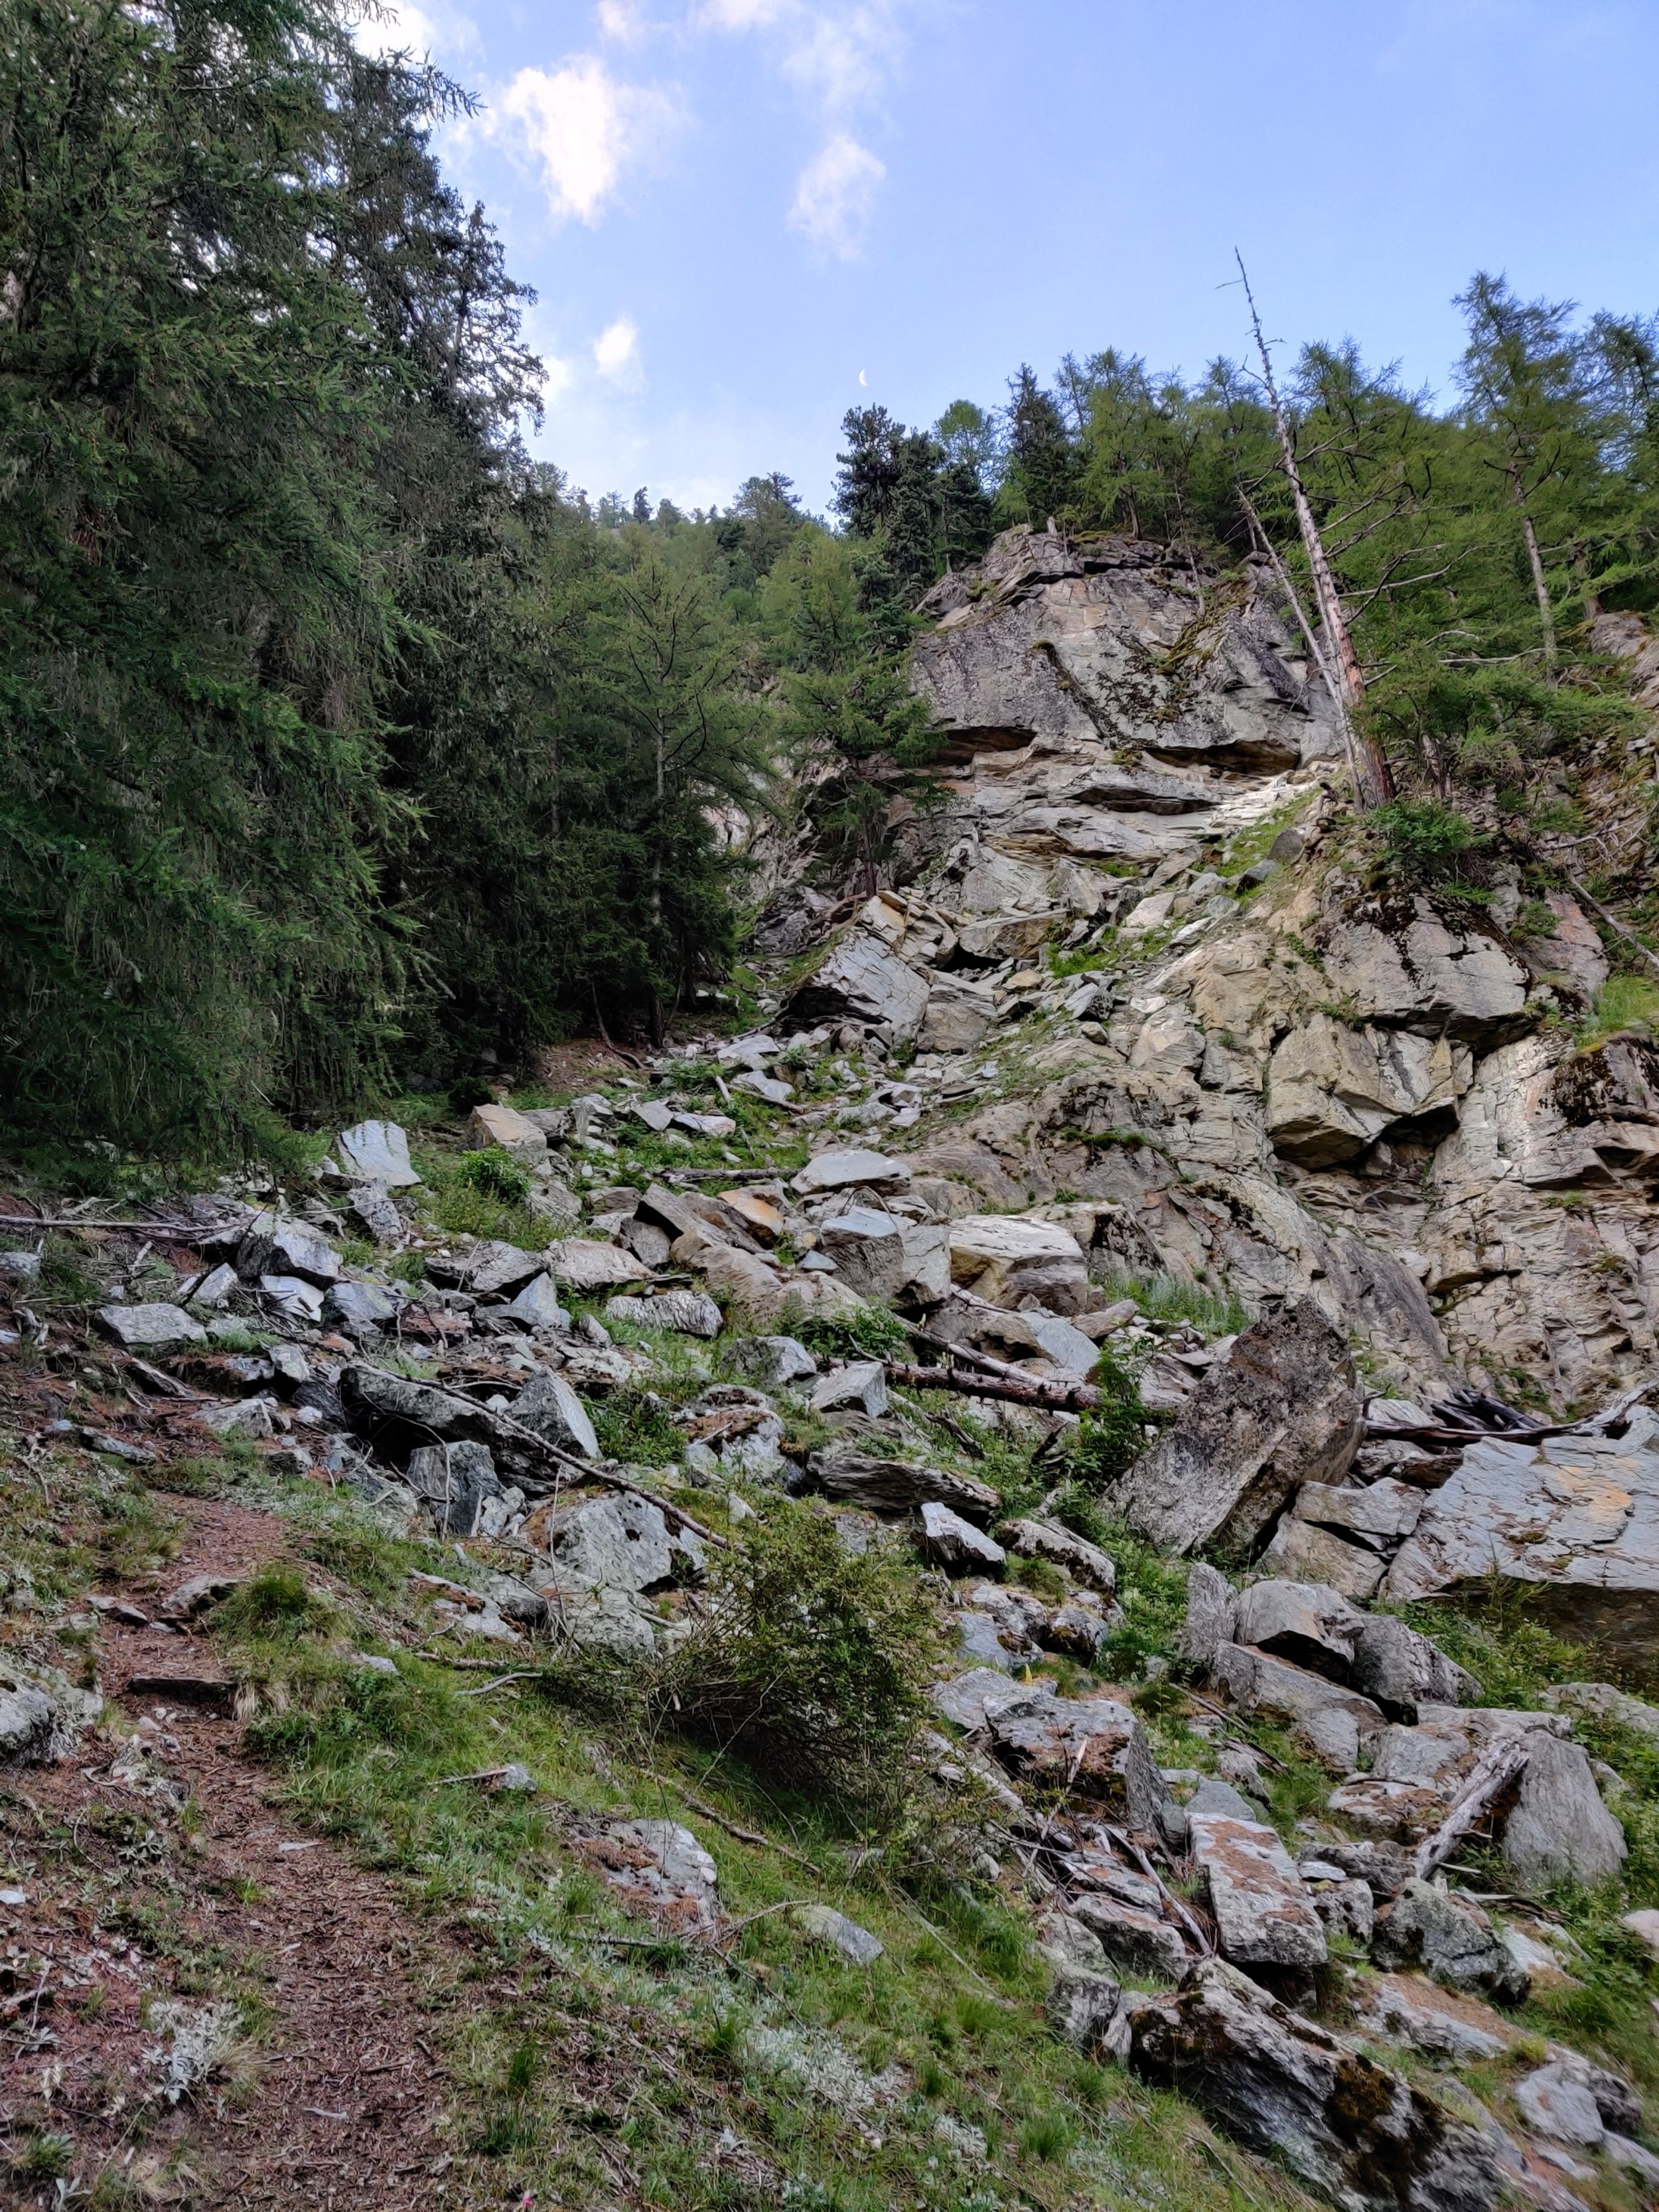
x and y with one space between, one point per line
864 379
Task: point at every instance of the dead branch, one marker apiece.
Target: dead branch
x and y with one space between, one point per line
1492 1777
1060 1397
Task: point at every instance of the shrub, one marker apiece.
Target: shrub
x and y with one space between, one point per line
1107 1441
494 1174
868 1332
1623 1003
1427 842
812 1661
633 1425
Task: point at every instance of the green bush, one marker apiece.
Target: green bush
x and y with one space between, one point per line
494 1174
1427 842
810 1661
1623 1003
633 1425
1107 1441
868 1332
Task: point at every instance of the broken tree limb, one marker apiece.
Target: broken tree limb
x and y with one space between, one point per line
1493 1774
1059 1397
1613 922
1188 1925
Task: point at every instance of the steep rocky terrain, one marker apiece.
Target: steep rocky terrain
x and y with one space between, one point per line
1148 1347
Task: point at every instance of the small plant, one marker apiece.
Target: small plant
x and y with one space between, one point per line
870 1333
1111 1436
812 1659
494 1174
44 2158
1623 1003
469 1091
633 1424
1169 1297
1425 841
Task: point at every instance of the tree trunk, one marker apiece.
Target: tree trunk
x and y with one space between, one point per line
1375 775
1535 561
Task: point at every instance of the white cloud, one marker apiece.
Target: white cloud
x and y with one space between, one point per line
743 14
840 53
617 355
584 129
620 20
403 27
836 195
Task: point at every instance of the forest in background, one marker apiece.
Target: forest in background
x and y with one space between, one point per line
345 747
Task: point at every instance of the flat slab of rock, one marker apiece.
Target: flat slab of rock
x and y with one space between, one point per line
1136 1939
1264 1913
851 1169
862 1382
580 1264
1406 2009
1573 1521
969 1699
956 1545
1344 2124
822 1923
899 1485
862 980
377 1152
550 1409
154 1328
1003 1258
1284 1409
1094 1746
689 1313
1331 1720
1045 1539
502 1128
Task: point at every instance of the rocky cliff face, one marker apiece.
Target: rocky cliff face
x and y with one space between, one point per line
1271 1079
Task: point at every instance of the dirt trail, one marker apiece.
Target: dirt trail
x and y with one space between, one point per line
342 2096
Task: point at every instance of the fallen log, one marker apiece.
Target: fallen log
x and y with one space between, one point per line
1492 1777
1057 1397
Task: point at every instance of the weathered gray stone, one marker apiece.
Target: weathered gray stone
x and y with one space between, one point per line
1304 1622
1264 1914
1067 1348
1284 1409
31 1731
851 1169
1402 1669
1347 1909
583 1265
1333 1090
360 1305
503 1129
1093 1746
820 1923
1342 2123
1403 965
154 1328
286 1248
770 1362
548 1406
1606 1703
371 1206
456 1481
968 1699
1440 2023
618 1543
1558 1830
867 1248
20 1266
377 1152
862 980
689 1313
955 1544
1452 1942
896 1485
1082 2005
1134 1940
560 1208
293 1297
1331 1720
959 1013
1075 1632
1065 1941
1045 1539
538 1305
926 1277
1212 1616
1005 1258
1572 1522
1302 1551
1550 2101
862 1382
660 1868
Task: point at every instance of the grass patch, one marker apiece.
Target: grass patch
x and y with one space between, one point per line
1623 1003
1169 1298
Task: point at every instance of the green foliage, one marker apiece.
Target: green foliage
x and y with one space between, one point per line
1167 1297
494 1174
1111 1435
1623 1003
865 1333
811 1661
1427 842
633 1423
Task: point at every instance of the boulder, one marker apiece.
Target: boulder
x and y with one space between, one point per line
1306 1622
762 1216
1379 1514
853 1170
371 1206
1333 1090
969 1699
1403 1670
1345 2125
1009 936
1302 1551
1082 2004
396 1415
823 1924
1093 1748
455 1481
617 1543
1075 1632
360 1306
1211 1617
1401 964
31 1731
1552 2103
958 1013
868 1250
377 1152
861 1382
1331 1720
688 1313
956 1545
286 1248
559 1208
1453 1942
538 1305
896 1485
770 1362
150 1328
1605 1703
1065 1347
550 1409
1347 1908
1558 1830
1005 1258
501 1128
659 1868
1136 1940
1572 1522
926 1277
1440 2023
1284 1409
582 1265
1065 1941
1264 1914
860 980
1085 1563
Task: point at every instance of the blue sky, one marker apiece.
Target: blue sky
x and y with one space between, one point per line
732 210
